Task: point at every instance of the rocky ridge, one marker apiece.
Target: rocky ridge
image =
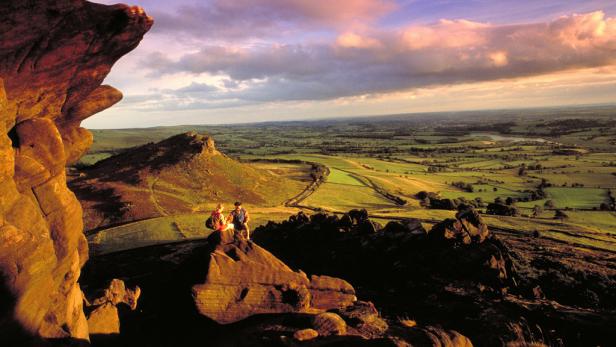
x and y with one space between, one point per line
494 289
242 295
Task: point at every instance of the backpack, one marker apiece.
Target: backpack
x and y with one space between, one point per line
214 221
209 223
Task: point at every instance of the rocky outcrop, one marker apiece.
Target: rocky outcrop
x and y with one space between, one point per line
103 318
458 275
244 279
168 316
467 227
54 56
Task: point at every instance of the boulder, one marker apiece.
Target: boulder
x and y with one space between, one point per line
117 293
329 323
244 279
103 318
410 225
467 227
305 334
364 318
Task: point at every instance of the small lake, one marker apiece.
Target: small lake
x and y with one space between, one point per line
497 137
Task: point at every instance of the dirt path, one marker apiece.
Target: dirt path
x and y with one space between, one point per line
380 190
158 207
312 187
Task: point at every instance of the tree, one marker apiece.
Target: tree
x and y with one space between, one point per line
560 215
502 210
509 201
549 204
522 170
537 211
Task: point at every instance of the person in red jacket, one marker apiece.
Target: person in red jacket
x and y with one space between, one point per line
219 221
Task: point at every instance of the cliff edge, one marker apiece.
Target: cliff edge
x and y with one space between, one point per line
54 56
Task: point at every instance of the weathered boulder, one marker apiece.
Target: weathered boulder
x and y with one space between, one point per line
117 293
364 318
244 279
431 336
467 227
329 323
53 57
103 318
410 225
305 334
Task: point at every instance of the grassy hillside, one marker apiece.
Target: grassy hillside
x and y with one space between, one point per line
180 175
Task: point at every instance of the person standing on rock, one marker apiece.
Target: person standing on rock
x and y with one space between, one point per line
240 218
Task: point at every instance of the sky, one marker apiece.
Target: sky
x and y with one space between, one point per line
223 61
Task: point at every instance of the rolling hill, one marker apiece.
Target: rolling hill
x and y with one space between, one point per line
182 174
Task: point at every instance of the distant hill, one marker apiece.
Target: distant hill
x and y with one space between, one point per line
182 174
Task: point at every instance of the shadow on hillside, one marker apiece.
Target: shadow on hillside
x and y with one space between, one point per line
105 200
127 166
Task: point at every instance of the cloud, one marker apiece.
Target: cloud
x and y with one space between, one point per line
239 19
379 62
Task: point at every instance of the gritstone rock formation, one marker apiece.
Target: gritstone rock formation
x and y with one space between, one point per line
169 316
103 317
494 289
54 56
244 279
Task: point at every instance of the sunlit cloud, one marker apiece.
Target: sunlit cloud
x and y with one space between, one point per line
299 58
447 52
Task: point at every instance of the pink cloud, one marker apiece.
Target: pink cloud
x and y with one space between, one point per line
326 12
371 62
446 33
239 19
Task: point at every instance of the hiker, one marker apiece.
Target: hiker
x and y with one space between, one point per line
217 221
240 218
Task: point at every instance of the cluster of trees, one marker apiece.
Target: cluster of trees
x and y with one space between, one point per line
318 172
522 171
500 209
433 169
502 128
610 205
434 201
507 207
467 187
